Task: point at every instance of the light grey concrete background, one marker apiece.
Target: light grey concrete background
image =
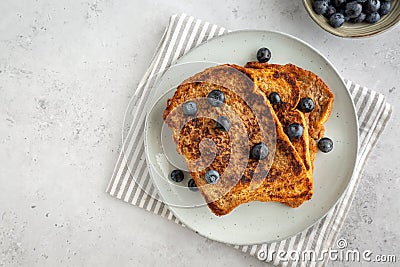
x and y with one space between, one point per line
67 72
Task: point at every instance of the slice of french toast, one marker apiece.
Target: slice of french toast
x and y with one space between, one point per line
280 177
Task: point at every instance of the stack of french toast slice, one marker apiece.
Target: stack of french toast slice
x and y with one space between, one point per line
264 149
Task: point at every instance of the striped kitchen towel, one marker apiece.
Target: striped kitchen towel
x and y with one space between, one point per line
183 33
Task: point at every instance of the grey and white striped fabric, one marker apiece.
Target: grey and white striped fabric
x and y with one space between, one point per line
183 33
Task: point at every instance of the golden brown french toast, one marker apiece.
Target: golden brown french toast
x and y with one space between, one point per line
280 177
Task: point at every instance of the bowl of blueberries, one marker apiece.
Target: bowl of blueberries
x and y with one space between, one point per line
354 18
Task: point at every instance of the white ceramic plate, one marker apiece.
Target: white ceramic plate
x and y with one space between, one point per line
257 222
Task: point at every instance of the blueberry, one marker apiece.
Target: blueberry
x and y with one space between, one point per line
216 98
212 176
274 98
325 144
385 8
372 6
223 123
259 151
373 17
192 185
263 55
177 176
189 108
320 7
338 3
336 20
360 18
294 130
353 9
306 105
331 10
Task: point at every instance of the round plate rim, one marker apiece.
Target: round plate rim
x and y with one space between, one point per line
354 120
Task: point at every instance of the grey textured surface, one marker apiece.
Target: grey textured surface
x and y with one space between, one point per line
67 71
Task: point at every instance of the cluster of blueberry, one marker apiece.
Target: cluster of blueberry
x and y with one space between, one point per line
355 11
178 176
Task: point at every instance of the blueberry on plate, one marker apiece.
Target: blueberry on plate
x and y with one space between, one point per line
263 55
212 177
177 176
259 151
274 98
360 18
325 144
189 108
294 130
372 6
216 98
385 8
192 185
306 105
353 9
336 20
320 7
372 17
223 123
